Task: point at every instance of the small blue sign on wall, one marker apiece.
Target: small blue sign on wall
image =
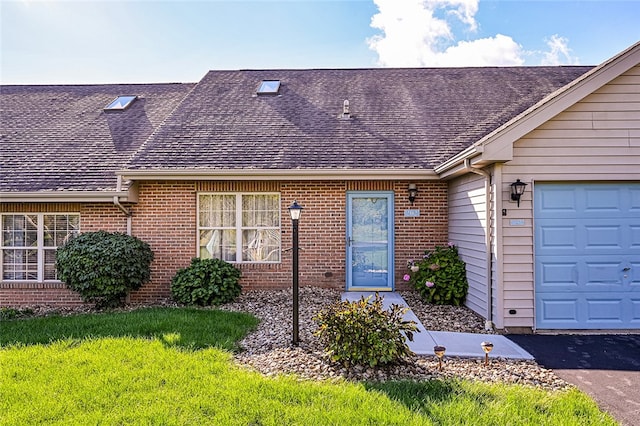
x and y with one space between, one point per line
412 213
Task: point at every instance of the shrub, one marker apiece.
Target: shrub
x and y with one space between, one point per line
364 333
104 267
206 282
441 277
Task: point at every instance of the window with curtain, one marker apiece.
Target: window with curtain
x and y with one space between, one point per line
240 227
29 243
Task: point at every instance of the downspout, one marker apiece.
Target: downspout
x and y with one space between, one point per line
123 209
488 325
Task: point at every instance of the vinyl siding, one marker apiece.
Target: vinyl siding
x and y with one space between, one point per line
467 230
597 139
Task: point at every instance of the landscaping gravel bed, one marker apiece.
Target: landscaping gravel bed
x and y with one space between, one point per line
269 350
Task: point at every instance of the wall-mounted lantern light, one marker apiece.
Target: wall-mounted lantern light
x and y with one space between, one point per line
413 192
517 189
295 210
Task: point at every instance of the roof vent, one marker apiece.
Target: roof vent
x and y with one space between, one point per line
346 114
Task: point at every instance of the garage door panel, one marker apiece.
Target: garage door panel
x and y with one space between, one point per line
587 311
587 255
607 275
634 200
557 202
635 312
589 273
556 275
559 310
634 236
603 237
558 238
602 200
604 310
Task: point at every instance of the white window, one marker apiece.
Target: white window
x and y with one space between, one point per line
239 227
29 243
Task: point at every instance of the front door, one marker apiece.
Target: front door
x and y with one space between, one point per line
370 241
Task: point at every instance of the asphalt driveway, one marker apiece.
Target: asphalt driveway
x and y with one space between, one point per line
605 366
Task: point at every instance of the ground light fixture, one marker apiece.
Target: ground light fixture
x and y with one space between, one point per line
439 351
413 192
517 189
295 210
486 347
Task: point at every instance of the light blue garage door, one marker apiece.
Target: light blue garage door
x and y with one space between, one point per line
587 254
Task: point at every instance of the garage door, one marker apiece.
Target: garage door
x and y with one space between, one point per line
587 254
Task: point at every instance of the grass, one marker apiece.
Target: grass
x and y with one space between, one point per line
184 327
164 366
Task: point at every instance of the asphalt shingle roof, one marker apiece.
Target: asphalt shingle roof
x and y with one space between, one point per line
55 138
401 118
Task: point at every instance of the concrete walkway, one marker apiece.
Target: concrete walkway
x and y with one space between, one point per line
457 344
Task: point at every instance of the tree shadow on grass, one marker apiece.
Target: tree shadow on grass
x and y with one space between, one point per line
421 397
187 328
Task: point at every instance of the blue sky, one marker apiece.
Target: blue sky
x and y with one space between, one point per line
91 41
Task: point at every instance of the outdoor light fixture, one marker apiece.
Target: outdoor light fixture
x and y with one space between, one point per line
486 347
295 210
413 192
439 351
517 189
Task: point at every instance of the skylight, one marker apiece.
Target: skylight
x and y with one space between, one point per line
269 87
121 102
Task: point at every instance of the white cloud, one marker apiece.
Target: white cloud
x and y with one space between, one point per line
559 52
413 34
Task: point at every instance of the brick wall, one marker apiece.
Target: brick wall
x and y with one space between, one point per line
93 217
166 218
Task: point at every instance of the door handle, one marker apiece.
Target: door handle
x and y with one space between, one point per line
349 241
627 269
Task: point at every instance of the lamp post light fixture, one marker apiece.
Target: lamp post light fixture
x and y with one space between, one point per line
486 347
439 351
517 189
413 192
295 210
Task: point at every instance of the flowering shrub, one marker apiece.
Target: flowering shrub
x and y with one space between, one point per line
441 277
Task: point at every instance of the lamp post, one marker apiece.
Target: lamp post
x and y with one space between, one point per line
295 210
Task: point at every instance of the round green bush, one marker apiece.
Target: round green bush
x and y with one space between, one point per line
364 333
104 267
441 276
206 282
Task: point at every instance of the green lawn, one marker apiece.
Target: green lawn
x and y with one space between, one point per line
174 366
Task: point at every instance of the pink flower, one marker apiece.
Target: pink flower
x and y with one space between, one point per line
429 284
406 277
450 244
